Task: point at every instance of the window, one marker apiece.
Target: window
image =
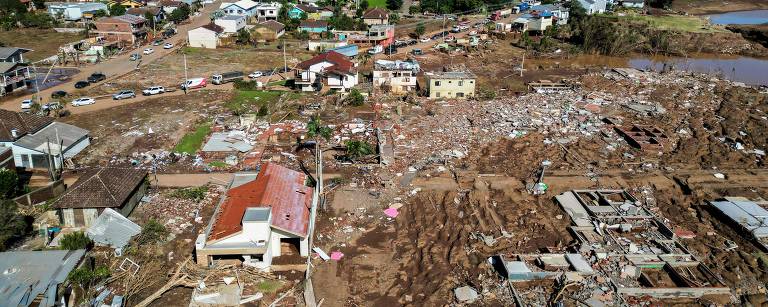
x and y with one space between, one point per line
437 83
460 95
461 83
437 94
471 81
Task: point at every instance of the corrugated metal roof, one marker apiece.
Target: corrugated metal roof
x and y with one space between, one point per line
112 229
227 142
24 275
746 213
52 133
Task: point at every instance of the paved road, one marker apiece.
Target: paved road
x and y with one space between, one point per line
120 65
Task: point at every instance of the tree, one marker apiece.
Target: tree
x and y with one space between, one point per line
180 14
117 9
243 36
150 19
13 225
364 5
75 240
85 277
355 98
9 182
394 4
315 128
357 149
420 29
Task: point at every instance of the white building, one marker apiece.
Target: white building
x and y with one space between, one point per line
74 11
396 76
638 4
231 23
37 141
206 36
330 70
259 219
593 6
268 11
559 12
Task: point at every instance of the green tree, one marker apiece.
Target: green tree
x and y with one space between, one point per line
75 240
355 98
315 128
180 14
394 4
357 149
150 19
117 9
420 29
364 5
243 36
84 277
12 224
9 183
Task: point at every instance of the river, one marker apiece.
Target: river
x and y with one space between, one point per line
754 17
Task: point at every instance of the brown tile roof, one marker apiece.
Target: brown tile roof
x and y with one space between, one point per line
313 24
276 187
140 11
273 25
107 187
341 63
214 27
171 3
22 122
376 13
306 8
129 19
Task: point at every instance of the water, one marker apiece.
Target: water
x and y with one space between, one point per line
740 18
748 70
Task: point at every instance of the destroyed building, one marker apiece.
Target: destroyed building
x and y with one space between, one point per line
395 76
33 278
645 137
747 215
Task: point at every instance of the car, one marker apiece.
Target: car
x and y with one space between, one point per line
472 32
390 51
255 74
425 39
153 90
135 57
125 94
26 104
456 29
417 51
58 94
448 39
167 46
96 77
82 84
149 51
412 42
157 42
82 101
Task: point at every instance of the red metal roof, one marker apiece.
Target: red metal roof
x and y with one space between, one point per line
339 60
277 187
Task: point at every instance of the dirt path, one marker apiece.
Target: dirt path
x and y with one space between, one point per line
190 180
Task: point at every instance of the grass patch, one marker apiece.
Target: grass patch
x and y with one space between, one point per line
250 101
192 141
43 42
269 286
220 164
691 24
377 3
280 82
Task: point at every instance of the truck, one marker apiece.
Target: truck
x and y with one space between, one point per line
227 77
497 15
522 7
376 50
194 83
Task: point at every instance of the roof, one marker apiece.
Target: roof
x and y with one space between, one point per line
112 229
140 11
746 213
7 66
23 123
341 62
213 27
29 274
107 187
6 52
273 25
54 133
453 75
172 3
227 142
256 215
276 187
231 17
306 8
244 4
132 19
376 13
313 24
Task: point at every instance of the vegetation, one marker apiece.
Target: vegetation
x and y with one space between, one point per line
243 36
375 3
152 232
315 129
250 101
357 149
180 14
13 225
9 183
394 4
420 29
456 6
355 98
85 277
269 286
192 141
197 194
219 164
117 9
75 240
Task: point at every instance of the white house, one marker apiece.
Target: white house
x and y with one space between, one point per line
37 141
74 11
330 69
559 12
259 219
231 23
268 11
206 36
396 76
593 6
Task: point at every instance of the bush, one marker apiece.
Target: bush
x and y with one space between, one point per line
85 277
9 182
75 240
357 149
245 85
152 232
196 194
12 224
355 98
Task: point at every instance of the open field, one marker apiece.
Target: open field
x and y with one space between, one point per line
377 3
43 42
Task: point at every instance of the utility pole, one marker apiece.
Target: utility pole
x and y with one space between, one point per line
521 65
317 198
185 74
285 62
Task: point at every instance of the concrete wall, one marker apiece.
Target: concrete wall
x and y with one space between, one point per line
202 38
451 88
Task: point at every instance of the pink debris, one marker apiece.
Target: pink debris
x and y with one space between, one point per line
391 212
337 255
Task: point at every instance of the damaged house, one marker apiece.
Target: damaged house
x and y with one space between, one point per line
259 219
35 278
38 140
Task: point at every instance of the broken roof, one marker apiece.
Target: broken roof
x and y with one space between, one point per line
112 229
341 63
746 213
23 123
53 133
27 275
376 13
227 142
276 187
107 187
140 11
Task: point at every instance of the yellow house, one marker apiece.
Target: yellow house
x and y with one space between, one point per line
126 3
449 85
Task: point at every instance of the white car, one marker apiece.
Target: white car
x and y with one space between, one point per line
255 75
83 101
26 104
167 46
149 51
425 39
473 33
153 90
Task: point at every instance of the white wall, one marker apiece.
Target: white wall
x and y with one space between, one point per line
231 26
202 38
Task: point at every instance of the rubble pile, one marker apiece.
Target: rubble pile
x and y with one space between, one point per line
179 215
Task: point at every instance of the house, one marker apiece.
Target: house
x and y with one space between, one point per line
300 9
171 5
638 4
230 23
535 21
36 140
36 278
206 36
454 84
376 16
259 219
330 69
593 6
157 13
125 28
13 54
268 11
382 35
269 30
240 8
75 11
14 72
559 13
119 189
313 26
395 76
324 13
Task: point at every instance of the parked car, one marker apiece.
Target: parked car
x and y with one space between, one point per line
390 51
157 42
83 101
417 51
449 39
412 42
255 74
473 32
376 50
96 77
26 104
167 46
126 94
153 90
58 94
82 84
425 39
149 51
456 29
135 57
194 83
